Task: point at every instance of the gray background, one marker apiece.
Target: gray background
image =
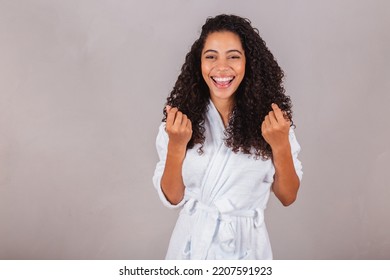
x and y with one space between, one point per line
82 88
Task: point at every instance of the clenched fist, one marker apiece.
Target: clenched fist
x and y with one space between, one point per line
275 129
178 127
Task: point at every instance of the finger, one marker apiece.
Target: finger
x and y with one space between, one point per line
189 124
272 118
285 116
267 120
178 119
279 116
263 127
184 120
168 108
171 116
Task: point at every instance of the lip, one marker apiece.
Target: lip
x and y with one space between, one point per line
222 84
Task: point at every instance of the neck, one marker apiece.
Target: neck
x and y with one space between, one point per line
224 108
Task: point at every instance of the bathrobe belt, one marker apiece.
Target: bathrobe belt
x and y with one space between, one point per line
215 223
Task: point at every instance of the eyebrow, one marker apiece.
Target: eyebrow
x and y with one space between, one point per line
229 51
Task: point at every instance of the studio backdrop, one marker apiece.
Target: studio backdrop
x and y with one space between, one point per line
82 89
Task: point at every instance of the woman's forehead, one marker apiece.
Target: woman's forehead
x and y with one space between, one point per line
223 40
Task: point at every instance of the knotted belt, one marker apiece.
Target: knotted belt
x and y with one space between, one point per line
216 222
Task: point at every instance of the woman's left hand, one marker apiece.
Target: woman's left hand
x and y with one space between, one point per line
275 129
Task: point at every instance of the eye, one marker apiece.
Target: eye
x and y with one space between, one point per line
235 57
210 57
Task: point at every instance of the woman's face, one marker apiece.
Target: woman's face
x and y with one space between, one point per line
223 64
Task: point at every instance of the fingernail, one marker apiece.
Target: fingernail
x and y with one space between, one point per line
167 108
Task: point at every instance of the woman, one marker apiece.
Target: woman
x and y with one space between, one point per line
225 142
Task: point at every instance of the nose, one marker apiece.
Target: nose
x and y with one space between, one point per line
222 65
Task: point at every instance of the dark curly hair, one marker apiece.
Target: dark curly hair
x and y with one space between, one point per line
261 86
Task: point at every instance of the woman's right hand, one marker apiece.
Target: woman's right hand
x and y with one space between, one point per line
178 127
179 130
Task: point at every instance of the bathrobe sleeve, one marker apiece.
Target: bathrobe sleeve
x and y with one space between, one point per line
162 146
295 149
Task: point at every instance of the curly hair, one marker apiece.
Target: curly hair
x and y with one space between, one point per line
261 86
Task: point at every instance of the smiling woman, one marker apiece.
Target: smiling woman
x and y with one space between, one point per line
223 68
225 141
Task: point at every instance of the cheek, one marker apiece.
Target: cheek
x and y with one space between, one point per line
242 68
204 75
205 71
241 71
203 66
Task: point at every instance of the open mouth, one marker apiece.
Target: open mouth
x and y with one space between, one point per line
222 82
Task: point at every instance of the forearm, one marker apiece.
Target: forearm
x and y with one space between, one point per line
172 181
286 182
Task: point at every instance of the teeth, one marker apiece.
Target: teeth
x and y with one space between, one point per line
224 79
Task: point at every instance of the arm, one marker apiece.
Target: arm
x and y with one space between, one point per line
179 130
275 130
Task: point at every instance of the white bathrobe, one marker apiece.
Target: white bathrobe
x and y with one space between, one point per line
222 214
